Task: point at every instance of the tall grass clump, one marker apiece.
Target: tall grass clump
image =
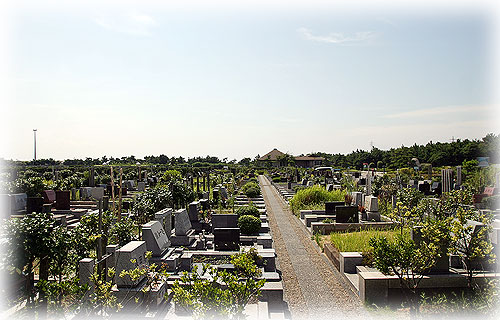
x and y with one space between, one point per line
313 197
359 240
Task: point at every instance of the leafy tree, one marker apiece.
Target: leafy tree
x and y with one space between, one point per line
122 232
225 294
469 242
408 261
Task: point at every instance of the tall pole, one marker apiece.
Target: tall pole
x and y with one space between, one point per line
34 137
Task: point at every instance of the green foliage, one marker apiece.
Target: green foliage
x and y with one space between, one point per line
63 296
225 294
471 243
170 176
248 210
87 231
251 189
349 184
481 300
33 186
249 224
122 232
403 258
151 201
358 241
315 195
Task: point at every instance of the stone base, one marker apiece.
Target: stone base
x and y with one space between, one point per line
373 216
184 241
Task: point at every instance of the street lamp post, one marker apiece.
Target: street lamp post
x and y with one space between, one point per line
34 137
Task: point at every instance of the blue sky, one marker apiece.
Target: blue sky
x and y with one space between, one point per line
237 81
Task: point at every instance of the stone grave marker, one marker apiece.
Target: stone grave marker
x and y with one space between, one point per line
346 214
227 239
182 222
155 237
446 180
224 221
193 211
18 202
49 196
357 198
97 193
141 186
62 200
330 206
130 256
371 203
165 218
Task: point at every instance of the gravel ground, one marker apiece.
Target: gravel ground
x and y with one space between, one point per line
313 287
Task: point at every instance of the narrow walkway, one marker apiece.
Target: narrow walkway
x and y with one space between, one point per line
313 288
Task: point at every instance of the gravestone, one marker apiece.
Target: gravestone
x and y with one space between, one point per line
362 181
224 221
459 176
215 194
49 196
205 204
164 217
330 206
357 198
223 192
155 237
424 187
34 204
97 193
85 193
193 211
18 202
371 203
141 186
92 177
346 214
135 251
85 270
227 239
446 180
436 188
182 222
73 194
5 206
62 200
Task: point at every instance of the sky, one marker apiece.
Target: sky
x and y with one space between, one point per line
194 79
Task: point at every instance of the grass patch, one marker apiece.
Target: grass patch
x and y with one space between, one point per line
314 196
358 241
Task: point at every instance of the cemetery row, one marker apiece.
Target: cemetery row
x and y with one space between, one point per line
145 270
415 209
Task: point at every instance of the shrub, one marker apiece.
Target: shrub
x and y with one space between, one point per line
315 195
277 179
251 189
249 224
248 211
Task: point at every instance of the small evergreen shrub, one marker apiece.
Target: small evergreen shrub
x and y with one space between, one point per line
248 211
251 189
314 196
249 224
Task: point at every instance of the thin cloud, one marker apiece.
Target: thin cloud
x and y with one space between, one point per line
137 24
436 111
364 37
387 21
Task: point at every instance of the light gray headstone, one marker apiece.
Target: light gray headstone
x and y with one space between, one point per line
357 198
130 256
155 237
371 203
18 201
97 193
165 218
85 270
141 186
182 223
446 179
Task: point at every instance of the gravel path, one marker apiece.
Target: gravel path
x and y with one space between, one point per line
313 288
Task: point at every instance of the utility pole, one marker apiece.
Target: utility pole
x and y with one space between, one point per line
34 137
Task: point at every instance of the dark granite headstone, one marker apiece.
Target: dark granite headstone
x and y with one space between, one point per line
224 221
34 204
62 200
49 196
330 206
227 239
346 214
